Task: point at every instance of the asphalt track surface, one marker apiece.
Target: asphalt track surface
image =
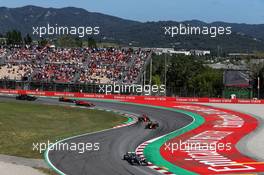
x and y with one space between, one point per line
114 143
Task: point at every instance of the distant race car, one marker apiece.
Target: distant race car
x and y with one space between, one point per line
143 118
152 125
134 159
65 99
26 97
84 103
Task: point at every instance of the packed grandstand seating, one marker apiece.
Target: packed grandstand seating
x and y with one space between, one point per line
24 55
15 72
237 78
3 52
72 65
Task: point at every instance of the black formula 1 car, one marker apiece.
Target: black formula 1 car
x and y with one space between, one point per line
143 118
26 97
65 99
134 159
84 103
152 125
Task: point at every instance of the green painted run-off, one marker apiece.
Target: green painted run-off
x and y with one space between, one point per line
152 151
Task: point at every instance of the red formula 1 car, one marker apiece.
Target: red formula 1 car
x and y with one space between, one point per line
152 125
143 118
65 99
84 103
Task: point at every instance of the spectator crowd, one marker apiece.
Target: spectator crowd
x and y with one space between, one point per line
3 52
72 65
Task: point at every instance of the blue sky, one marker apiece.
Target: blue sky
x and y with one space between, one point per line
239 11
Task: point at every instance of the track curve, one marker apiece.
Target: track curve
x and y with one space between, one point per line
114 143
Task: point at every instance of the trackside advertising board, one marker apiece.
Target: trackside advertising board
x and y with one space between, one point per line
132 97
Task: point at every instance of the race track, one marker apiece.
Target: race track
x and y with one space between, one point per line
114 143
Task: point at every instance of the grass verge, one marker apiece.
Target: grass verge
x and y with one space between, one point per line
47 171
22 124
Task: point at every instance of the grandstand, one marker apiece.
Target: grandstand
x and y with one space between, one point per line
237 78
237 82
72 65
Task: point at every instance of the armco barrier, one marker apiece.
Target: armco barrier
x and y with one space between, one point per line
132 97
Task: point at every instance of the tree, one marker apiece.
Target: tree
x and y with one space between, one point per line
43 42
187 76
156 80
208 83
257 71
14 37
78 42
27 39
92 43
69 41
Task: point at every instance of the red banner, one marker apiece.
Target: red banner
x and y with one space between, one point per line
130 97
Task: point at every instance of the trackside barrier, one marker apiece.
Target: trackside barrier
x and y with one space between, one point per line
132 97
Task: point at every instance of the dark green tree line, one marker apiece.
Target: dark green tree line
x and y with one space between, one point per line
187 76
